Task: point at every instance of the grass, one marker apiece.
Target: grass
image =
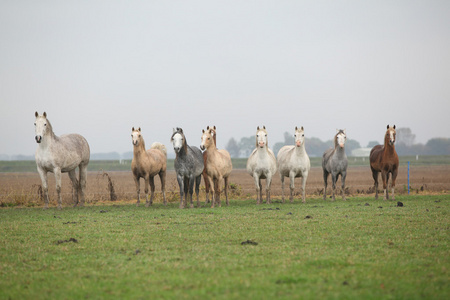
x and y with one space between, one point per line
333 250
238 163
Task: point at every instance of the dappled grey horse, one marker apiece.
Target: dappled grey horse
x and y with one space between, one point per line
334 162
188 166
59 155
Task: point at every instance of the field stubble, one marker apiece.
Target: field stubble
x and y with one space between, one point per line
24 189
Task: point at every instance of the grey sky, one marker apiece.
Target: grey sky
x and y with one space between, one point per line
99 68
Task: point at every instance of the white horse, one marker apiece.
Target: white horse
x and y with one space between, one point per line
262 164
293 161
59 155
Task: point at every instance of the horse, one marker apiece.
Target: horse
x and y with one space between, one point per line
60 155
262 164
205 155
384 159
188 166
147 164
293 162
218 165
334 162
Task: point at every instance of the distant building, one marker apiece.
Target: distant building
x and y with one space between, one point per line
361 152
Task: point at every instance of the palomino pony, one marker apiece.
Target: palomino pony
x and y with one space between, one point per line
147 164
218 165
205 156
334 162
293 162
384 159
262 164
59 155
188 166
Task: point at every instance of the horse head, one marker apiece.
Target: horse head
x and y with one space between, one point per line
136 136
340 138
207 138
390 134
178 139
261 137
299 136
41 126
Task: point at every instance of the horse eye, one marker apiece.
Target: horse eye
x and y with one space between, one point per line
34 124
303 134
45 124
266 134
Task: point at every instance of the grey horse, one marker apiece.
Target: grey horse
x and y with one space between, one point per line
335 162
188 166
60 154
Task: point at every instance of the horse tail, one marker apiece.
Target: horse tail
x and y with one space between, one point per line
159 146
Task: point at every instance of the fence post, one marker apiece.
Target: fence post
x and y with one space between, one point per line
408 177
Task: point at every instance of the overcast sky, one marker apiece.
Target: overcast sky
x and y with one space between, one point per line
99 68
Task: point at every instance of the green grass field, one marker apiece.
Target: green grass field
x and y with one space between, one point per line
358 249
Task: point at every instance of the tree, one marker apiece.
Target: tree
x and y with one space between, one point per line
405 136
351 145
233 148
438 146
277 147
246 146
372 144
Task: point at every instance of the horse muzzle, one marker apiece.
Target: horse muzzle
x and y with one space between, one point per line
298 143
391 142
38 139
202 147
176 149
341 145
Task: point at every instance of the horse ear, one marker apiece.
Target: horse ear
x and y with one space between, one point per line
214 127
45 114
295 128
257 128
387 127
302 127
132 128
394 126
264 126
139 129
36 114
203 130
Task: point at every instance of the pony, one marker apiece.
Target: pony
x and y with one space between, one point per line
218 165
384 159
147 164
293 162
334 162
188 166
262 164
205 156
60 155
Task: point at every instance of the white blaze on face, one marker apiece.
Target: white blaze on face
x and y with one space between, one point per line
177 141
40 128
341 138
261 139
391 136
135 136
299 137
204 139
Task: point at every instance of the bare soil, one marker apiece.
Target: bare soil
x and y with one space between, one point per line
23 189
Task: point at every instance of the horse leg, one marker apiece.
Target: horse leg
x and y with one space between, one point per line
151 180
383 177
43 175
162 177
226 189
75 186
147 182
58 186
257 185
387 185
292 186
211 188
282 187
268 184
343 175
219 181
325 180
181 185
375 182
138 189
304 177
334 177
82 182
394 177
197 188
217 189
191 189
205 176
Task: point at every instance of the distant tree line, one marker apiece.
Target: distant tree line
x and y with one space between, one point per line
405 145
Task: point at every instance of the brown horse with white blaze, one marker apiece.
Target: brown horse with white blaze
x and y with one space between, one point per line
147 164
218 166
384 159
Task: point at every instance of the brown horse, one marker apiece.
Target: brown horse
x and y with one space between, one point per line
148 164
218 166
384 159
205 156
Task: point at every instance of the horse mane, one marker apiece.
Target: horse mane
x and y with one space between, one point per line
335 137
